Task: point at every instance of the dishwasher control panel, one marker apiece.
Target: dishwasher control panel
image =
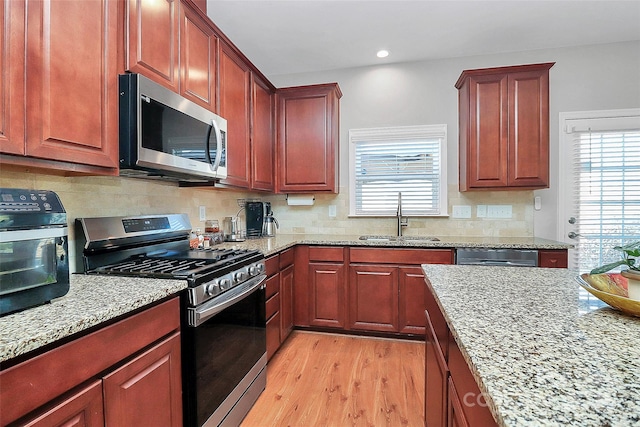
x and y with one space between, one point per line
497 257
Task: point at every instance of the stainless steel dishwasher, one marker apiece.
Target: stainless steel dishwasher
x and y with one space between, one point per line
497 257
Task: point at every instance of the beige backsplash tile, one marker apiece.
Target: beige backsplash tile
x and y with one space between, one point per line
108 196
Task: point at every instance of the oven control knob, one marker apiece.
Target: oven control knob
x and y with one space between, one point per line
239 276
212 289
254 270
225 284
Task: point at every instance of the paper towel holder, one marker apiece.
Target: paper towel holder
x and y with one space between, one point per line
300 199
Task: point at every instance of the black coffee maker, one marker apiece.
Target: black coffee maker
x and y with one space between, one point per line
255 214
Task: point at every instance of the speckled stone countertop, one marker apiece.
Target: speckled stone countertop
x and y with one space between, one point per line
543 350
90 301
280 242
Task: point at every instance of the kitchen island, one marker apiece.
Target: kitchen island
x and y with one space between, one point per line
541 349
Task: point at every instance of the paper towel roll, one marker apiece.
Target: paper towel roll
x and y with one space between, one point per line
300 199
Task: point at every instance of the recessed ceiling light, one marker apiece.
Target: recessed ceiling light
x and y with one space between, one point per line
382 53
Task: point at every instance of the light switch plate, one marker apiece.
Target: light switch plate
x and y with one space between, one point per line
462 211
203 213
481 211
332 211
499 211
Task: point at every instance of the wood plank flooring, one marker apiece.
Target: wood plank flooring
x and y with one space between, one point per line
319 379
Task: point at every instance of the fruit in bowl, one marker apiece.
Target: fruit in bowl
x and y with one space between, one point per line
630 256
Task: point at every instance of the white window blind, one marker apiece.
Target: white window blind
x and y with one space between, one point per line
606 196
409 160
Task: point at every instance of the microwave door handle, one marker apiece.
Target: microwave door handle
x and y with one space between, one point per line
216 162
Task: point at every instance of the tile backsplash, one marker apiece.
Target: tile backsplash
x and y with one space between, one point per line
108 196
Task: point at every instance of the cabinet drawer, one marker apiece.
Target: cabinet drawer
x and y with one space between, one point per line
272 266
273 286
402 256
326 253
286 258
273 305
36 381
553 258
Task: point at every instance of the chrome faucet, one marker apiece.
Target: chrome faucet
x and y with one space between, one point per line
402 222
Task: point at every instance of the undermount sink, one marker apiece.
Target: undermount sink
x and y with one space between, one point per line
374 238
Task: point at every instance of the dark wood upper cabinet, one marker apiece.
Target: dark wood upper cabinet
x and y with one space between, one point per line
71 89
504 127
262 136
235 99
198 56
12 77
151 40
308 138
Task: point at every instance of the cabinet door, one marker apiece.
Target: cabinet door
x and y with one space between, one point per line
529 128
12 77
148 389
71 89
373 298
327 294
198 53
455 415
83 409
273 325
262 136
411 300
308 128
487 144
286 301
436 380
235 95
151 40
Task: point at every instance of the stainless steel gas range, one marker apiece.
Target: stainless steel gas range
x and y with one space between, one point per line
224 324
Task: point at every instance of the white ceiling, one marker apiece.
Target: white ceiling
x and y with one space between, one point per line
283 37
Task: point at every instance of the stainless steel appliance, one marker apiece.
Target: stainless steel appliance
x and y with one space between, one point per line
34 253
164 135
270 223
255 214
497 257
224 323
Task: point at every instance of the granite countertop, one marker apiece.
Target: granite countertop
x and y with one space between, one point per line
542 349
272 245
91 300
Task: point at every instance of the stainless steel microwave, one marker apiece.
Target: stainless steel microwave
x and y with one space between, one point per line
164 135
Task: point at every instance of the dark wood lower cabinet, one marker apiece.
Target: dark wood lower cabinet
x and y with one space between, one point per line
436 379
146 390
327 295
82 409
373 298
411 300
455 414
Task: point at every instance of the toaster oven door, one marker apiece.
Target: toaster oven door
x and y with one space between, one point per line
34 267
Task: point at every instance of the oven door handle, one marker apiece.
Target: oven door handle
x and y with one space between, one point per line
202 313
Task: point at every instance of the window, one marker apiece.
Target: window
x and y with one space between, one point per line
386 161
605 182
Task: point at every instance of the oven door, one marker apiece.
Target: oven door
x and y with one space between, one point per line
224 355
34 267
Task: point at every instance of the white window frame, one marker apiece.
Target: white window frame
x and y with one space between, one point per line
399 133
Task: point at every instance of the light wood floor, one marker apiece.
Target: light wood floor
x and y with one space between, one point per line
319 379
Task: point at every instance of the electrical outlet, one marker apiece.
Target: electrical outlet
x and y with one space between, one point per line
499 211
203 213
481 211
462 211
332 211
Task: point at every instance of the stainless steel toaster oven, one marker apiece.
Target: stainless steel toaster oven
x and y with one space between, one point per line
34 267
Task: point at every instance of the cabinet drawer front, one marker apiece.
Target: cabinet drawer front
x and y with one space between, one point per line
402 256
286 258
273 335
273 285
273 305
272 265
553 258
326 253
36 381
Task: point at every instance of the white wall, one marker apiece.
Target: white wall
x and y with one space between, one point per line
585 78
